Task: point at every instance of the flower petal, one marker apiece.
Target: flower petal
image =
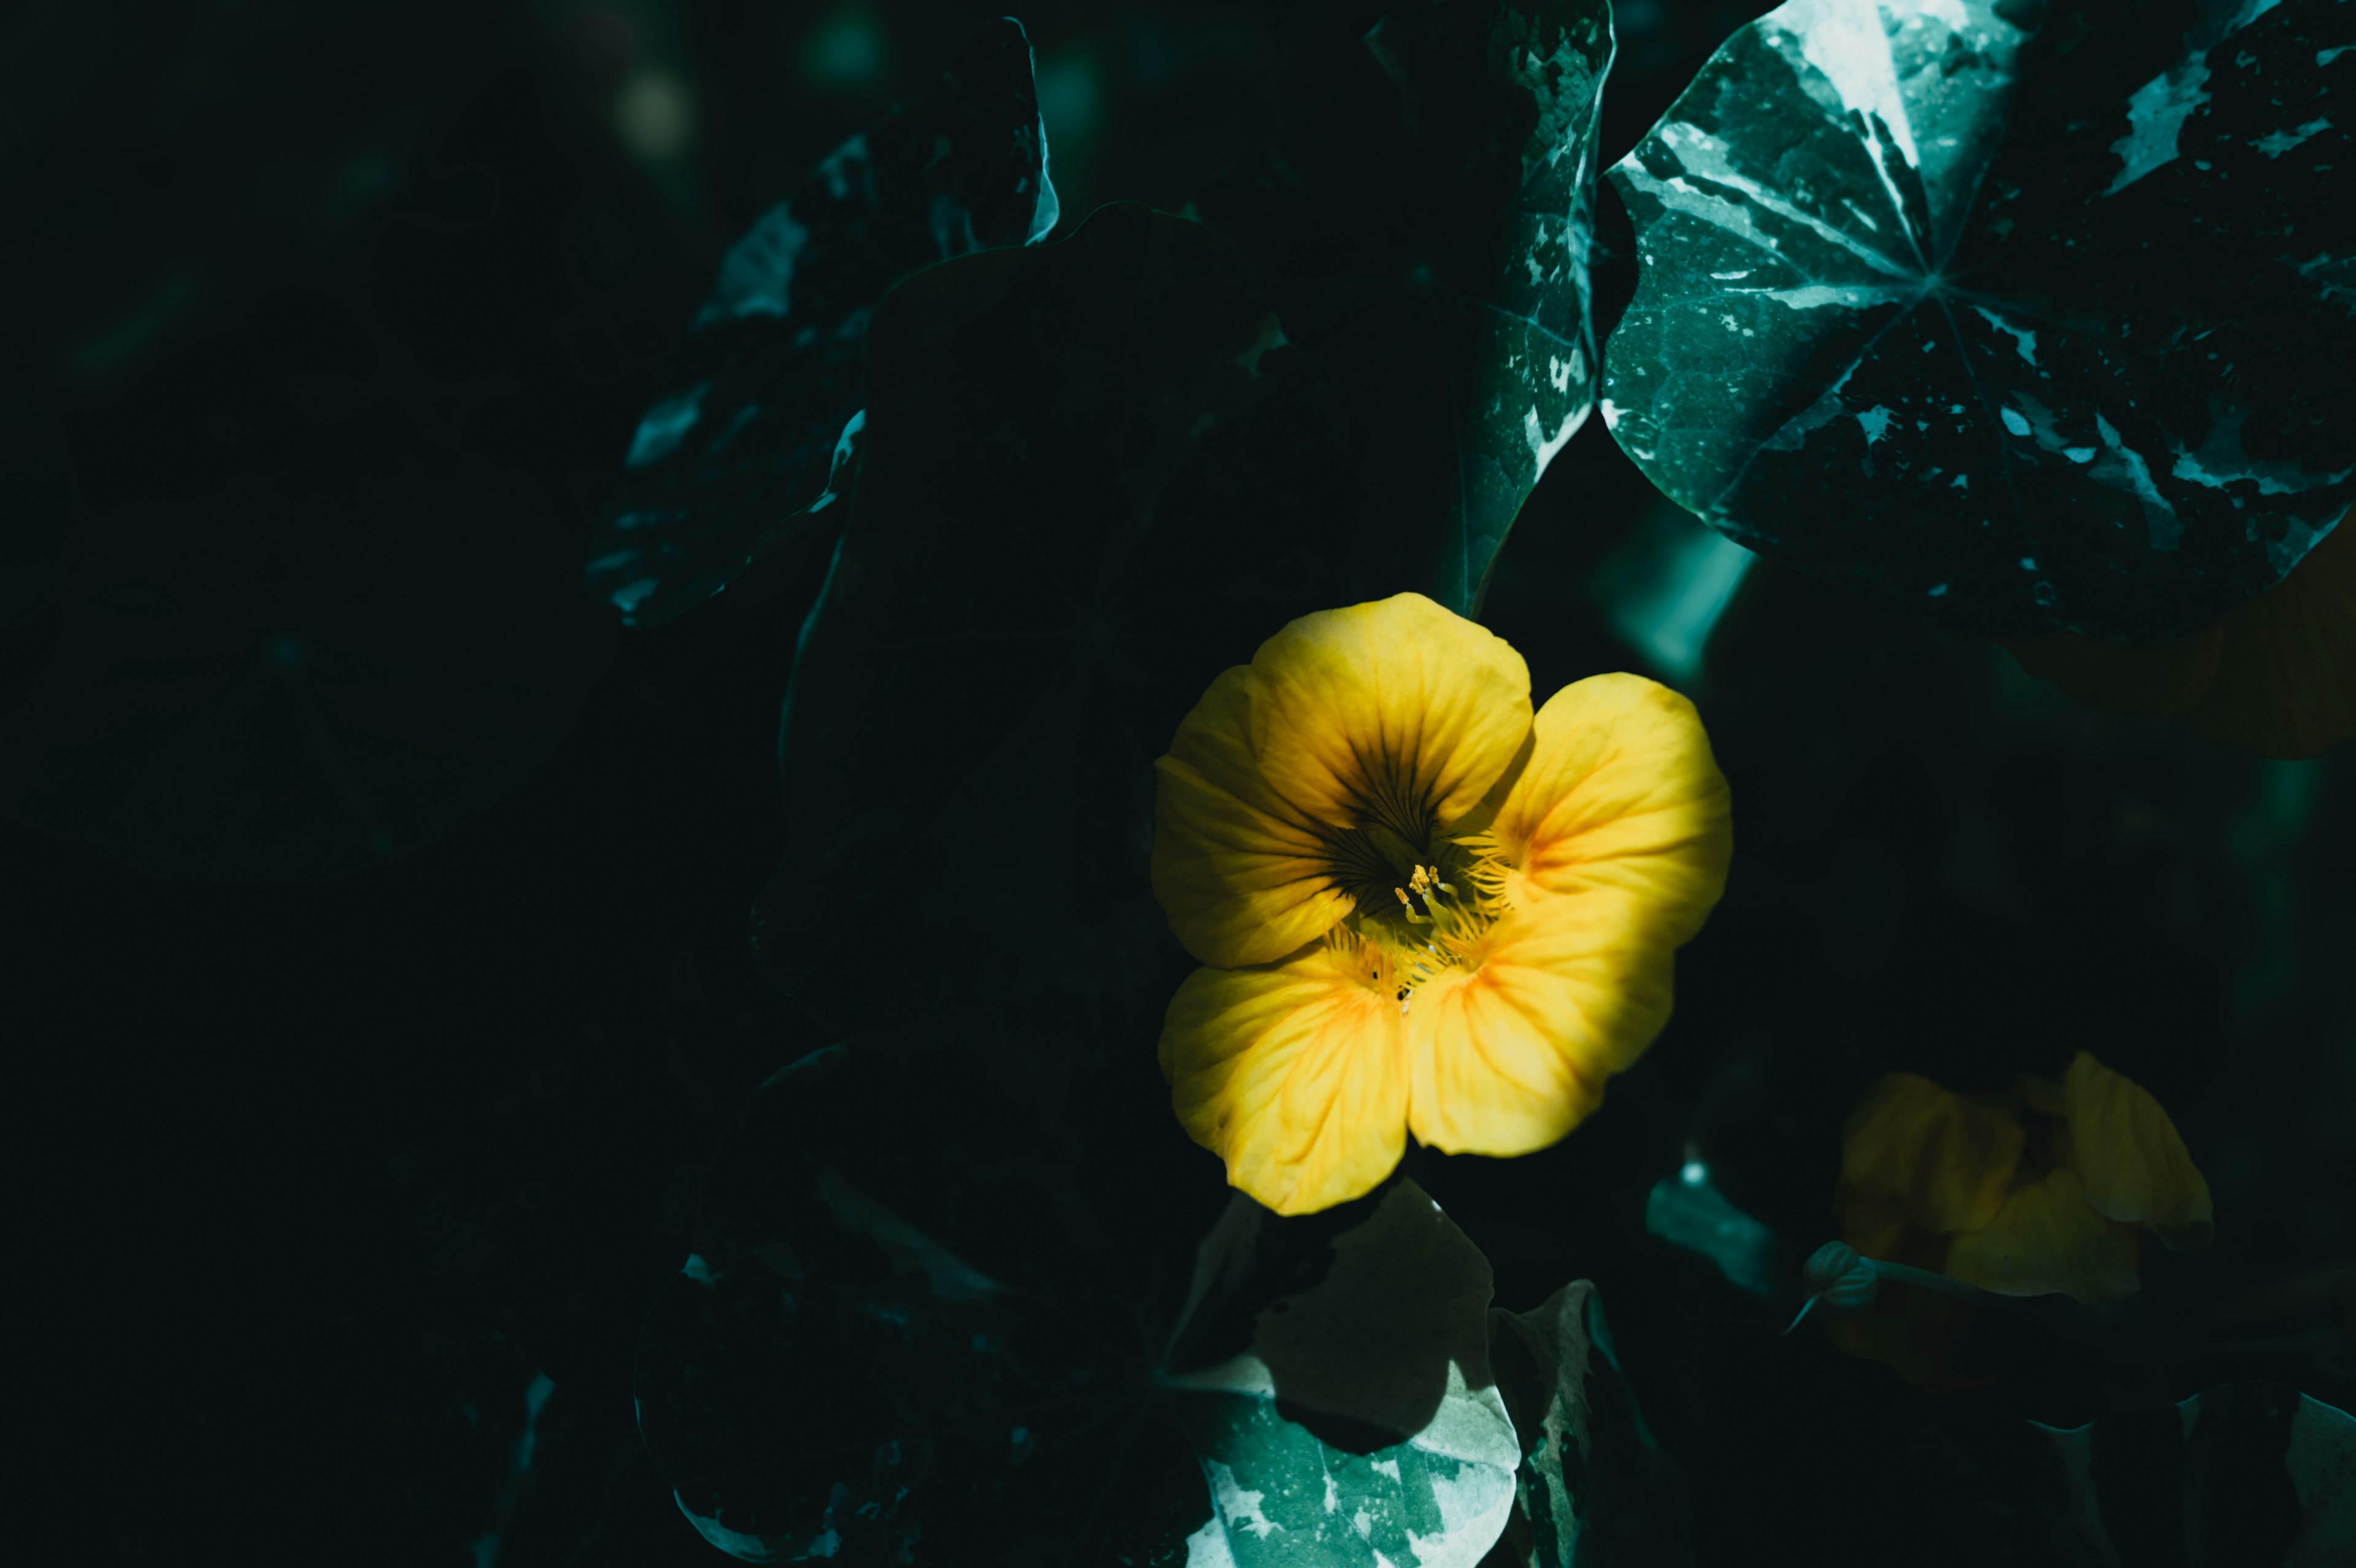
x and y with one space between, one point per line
1946 1161
1291 1072
1875 1224
1508 1054
1243 877
1396 712
1620 799
2276 675
2286 683
2045 1239
2135 1166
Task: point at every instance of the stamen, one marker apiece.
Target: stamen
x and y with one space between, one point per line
1440 927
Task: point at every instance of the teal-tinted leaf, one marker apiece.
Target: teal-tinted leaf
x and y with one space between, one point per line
1594 1487
901 1338
918 1325
1362 1424
1689 1210
2020 316
733 460
1424 233
2244 1472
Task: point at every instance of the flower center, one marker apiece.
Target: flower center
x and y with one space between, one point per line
1438 915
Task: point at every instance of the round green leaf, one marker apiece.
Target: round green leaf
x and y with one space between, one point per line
2023 317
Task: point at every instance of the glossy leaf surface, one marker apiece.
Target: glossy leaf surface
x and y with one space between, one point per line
737 458
2022 317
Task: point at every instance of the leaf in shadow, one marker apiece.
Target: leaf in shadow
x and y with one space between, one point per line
737 459
2241 1473
1594 1486
1424 233
905 1335
893 1342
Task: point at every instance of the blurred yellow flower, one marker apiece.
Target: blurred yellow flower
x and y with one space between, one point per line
1421 907
2275 676
2038 1194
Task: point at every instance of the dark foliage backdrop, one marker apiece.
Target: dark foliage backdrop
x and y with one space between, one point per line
342 1192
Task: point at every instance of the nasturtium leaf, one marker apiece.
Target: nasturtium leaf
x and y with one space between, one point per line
1362 1424
908 1330
1593 1486
2021 315
736 458
939 1326
1424 237
2242 1473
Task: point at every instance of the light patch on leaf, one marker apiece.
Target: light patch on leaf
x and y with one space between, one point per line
1208 1547
2155 116
2023 340
2281 141
2166 527
666 425
1238 1506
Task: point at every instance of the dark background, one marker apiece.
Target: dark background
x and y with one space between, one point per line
327 325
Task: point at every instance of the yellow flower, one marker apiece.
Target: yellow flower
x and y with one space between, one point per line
2276 675
2036 1194
1423 907
2029 1197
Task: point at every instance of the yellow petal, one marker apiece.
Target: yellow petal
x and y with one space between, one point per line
2045 1239
1507 1054
1875 1224
1291 1072
1397 713
2286 683
1946 1161
1242 876
2127 1151
1621 800
2275 676
2166 680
